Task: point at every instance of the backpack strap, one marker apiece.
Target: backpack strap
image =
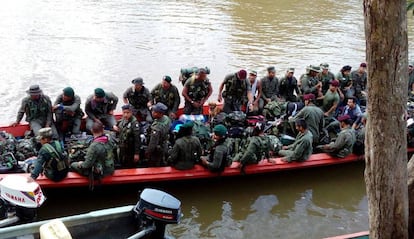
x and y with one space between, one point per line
53 151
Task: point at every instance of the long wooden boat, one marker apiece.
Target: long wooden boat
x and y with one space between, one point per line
358 235
142 175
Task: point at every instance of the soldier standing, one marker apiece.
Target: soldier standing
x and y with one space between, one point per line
186 151
100 109
288 86
167 93
68 113
270 87
38 110
158 136
129 137
237 92
196 92
359 81
140 98
343 144
217 159
310 82
51 158
325 76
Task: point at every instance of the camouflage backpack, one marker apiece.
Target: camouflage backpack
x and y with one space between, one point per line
275 144
274 109
26 148
236 118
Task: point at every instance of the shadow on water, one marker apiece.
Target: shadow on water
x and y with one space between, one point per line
310 203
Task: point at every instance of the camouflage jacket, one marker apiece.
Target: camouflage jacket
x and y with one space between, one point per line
36 109
69 107
100 156
129 134
52 161
158 135
258 148
169 97
98 110
138 99
236 89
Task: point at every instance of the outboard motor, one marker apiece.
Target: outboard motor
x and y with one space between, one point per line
19 200
155 210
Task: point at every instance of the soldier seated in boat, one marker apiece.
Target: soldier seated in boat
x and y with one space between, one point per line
139 97
167 93
38 110
216 161
343 144
302 148
67 111
237 91
258 148
186 151
196 92
99 159
129 135
100 109
51 159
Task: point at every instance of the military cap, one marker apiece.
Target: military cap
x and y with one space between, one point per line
127 107
346 68
343 118
291 70
167 79
271 69
187 125
334 83
220 130
34 90
138 81
363 64
45 133
69 92
160 108
314 68
324 66
100 93
242 74
253 73
309 96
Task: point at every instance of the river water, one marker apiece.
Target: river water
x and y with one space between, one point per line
87 44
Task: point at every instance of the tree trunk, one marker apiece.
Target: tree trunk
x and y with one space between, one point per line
386 146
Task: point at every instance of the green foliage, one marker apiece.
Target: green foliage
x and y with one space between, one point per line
410 6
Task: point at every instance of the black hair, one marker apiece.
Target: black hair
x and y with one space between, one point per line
302 123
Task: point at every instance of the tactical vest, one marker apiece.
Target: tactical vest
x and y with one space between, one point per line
166 97
161 125
138 98
235 90
197 90
37 108
126 137
57 160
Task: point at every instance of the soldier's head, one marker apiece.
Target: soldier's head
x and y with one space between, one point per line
346 70
166 82
290 72
325 68
242 74
345 121
219 132
158 110
99 95
252 76
34 91
68 94
308 98
201 74
314 70
45 135
138 82
301 125
127 111
271 71
186 129
97 129
334 84
351 102
363 67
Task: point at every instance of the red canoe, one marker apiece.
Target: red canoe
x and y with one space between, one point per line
142 175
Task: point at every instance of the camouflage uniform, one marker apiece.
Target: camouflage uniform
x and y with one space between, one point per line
308 84
235 93
287 87
326 79
99 158
158 141
345 81
100 110
314 119
218 154
343 144
258 147
52 161
169 97
38 113
359 84
301 149
139 99
129 141
197 91
185 153
70 112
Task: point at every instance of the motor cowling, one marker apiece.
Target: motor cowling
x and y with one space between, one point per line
16 190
